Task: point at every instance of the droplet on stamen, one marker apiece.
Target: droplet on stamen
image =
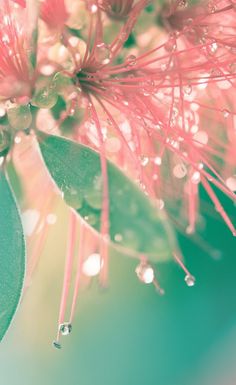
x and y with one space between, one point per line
56 345
102 53
92 265
190 280
65 328
145 273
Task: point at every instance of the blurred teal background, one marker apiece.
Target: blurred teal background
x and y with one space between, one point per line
128 335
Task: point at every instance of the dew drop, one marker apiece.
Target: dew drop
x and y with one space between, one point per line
92 265
51 219
118 238
144 161
73 198
92 7
20 117
190 280
231 183
157 161
226 113
160 204
56 345
187 89
102 53
131 60
196 177
145 273
65 328
171 44
46 97
180 171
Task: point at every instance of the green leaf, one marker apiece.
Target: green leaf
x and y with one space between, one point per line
134 222
12 256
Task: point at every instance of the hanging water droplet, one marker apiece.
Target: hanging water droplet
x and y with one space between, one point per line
190 280
144 161
91 219
65 328
187 89
183 3
94 199
102 53
157 160
92 6
92 265
145 273
45 97
56 345
211 7
160 204
226 113
131 60
212 48
180 171
118 237
231 183
5 141
20 117
196 177
73 198
171 45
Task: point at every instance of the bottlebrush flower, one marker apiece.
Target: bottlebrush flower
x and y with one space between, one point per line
54 13
14 61
165 116
122 9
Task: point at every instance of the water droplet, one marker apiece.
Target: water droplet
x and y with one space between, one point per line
144 161
190 280
92 6
160 204
51 219
231 183
102 53
20 117
91 219
145 273
171 44
211 6
94 199
65 328
212 48
187 89
56 345
92 265
118 238
45 97
73 198
226 113
180 171
131 60
157 160
200 138
196 177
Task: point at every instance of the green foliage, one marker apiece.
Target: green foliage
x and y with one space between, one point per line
134 222
12 255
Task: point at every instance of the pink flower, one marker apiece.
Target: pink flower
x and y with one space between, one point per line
14 63
54 13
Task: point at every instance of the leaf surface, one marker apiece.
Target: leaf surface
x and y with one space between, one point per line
135 224
12 255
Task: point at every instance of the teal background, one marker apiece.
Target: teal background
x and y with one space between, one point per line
128 335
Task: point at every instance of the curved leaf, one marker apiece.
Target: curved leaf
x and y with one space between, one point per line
134 222
12 255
